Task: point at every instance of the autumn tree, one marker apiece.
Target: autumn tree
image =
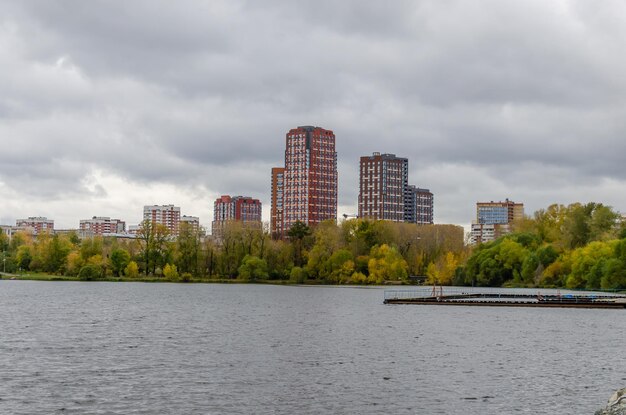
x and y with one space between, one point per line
328 239
155 239
386 264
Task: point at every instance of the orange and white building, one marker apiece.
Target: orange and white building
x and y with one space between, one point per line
101 225
167 215
38 224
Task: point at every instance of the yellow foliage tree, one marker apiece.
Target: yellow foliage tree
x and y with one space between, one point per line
386 264
131 270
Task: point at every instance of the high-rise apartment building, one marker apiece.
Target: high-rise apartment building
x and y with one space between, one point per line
38 224
418 205
99 225
382 186
243 209
494 219
167 215
276 216
309 191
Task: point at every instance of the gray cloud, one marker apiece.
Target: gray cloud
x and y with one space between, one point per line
488 99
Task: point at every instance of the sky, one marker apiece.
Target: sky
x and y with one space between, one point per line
107 106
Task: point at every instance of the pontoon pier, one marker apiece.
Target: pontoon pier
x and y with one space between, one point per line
504 298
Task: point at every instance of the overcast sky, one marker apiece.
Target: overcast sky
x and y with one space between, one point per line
106 106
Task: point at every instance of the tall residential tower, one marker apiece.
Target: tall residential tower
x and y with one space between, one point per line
309 180
383 182
418 205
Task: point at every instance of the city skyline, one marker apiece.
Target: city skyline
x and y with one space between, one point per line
118 105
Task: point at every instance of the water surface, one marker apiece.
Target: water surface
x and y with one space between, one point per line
126 348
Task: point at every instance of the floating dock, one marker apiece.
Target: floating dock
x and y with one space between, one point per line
504 298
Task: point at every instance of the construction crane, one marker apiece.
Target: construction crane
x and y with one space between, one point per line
353 215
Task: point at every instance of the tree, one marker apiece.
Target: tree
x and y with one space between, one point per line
341 266
298 231
297 275
494 263
170 272
188 244
120 258
131 270
386 264
327 240
74 263
90 247
24 257
155 245
253 268
587 263
90 272
443 270
279 257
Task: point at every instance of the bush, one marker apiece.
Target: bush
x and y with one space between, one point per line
170 272
253 268
297 275
90 272
131 270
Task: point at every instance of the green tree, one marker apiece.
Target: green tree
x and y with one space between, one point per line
297 232
328 239
587 263
24 257
120 258
253 268
188 244
90 272
494 263
90 247
155 239
297 275
341 266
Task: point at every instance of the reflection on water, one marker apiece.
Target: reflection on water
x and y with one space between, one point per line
174 348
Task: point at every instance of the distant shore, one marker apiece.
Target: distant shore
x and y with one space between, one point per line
52 277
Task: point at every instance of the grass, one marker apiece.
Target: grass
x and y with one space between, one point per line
40 276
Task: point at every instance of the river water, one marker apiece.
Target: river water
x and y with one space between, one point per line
132 348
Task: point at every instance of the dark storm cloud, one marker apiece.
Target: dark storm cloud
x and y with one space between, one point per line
487 99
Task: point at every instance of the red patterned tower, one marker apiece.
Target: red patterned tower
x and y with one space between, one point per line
309 178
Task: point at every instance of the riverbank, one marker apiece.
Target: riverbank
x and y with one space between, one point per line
151 279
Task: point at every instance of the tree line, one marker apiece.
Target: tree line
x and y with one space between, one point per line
576 246
579 246
354 251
